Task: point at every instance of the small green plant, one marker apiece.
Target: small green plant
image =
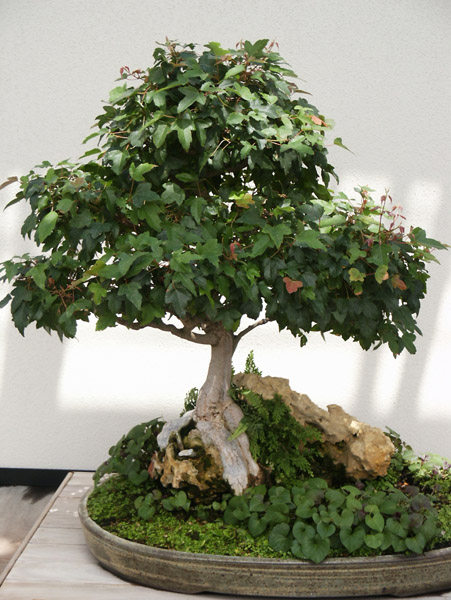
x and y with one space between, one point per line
279 443
432 470
250 366
132 454
190 400
310 519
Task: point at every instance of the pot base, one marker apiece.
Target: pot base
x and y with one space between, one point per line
190 573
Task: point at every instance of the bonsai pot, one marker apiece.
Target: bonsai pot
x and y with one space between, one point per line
190 573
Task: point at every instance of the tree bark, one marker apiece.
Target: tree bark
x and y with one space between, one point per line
217 417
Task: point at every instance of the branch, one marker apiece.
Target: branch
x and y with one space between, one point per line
238 337
185 333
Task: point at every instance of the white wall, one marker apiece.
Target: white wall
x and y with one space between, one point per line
380 69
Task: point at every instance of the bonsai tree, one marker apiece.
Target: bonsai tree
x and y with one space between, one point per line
208 199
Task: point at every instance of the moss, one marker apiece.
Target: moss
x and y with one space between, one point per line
444 515
112 506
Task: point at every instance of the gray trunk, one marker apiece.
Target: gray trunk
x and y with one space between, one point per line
217 417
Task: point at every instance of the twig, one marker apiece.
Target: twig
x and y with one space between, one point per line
238 337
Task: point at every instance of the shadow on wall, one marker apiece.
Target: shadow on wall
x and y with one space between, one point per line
408 385
31 371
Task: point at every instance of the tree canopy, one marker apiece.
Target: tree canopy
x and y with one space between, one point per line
207 199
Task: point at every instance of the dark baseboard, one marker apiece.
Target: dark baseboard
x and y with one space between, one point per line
32 477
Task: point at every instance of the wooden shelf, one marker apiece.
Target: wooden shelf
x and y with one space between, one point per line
53 563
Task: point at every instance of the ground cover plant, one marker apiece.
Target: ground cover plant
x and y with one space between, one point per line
209 199
295 514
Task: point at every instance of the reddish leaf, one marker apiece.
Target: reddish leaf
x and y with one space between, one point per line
397 282
232 246
317 120
292 285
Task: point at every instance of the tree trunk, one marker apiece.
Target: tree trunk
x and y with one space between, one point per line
217 417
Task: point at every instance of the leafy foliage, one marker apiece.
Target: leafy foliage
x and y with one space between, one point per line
278 442
208 199
250 366
405 512
310 519
429 470
132 454
190 400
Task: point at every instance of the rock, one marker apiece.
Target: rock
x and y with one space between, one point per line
187 462
365 451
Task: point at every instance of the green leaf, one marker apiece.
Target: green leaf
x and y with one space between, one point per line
244 92
261 243
374 541
381 273
236 70
256 526
325 530
105 320
5 300
256 50
277 233
159 98
119 93
151 312
310 238
132 292
144 194
279 537
47 225
352 541
186 177
298 144
37 273
118 159
235 118
215 47
173 193
333 221
179 299
339 142
137 173
301 531
257 503
375 521
396 527
191 95
64 205
185 137
160 133
184 133
211 251
356 275
98 292
315 549
197 206
418 236
355 253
